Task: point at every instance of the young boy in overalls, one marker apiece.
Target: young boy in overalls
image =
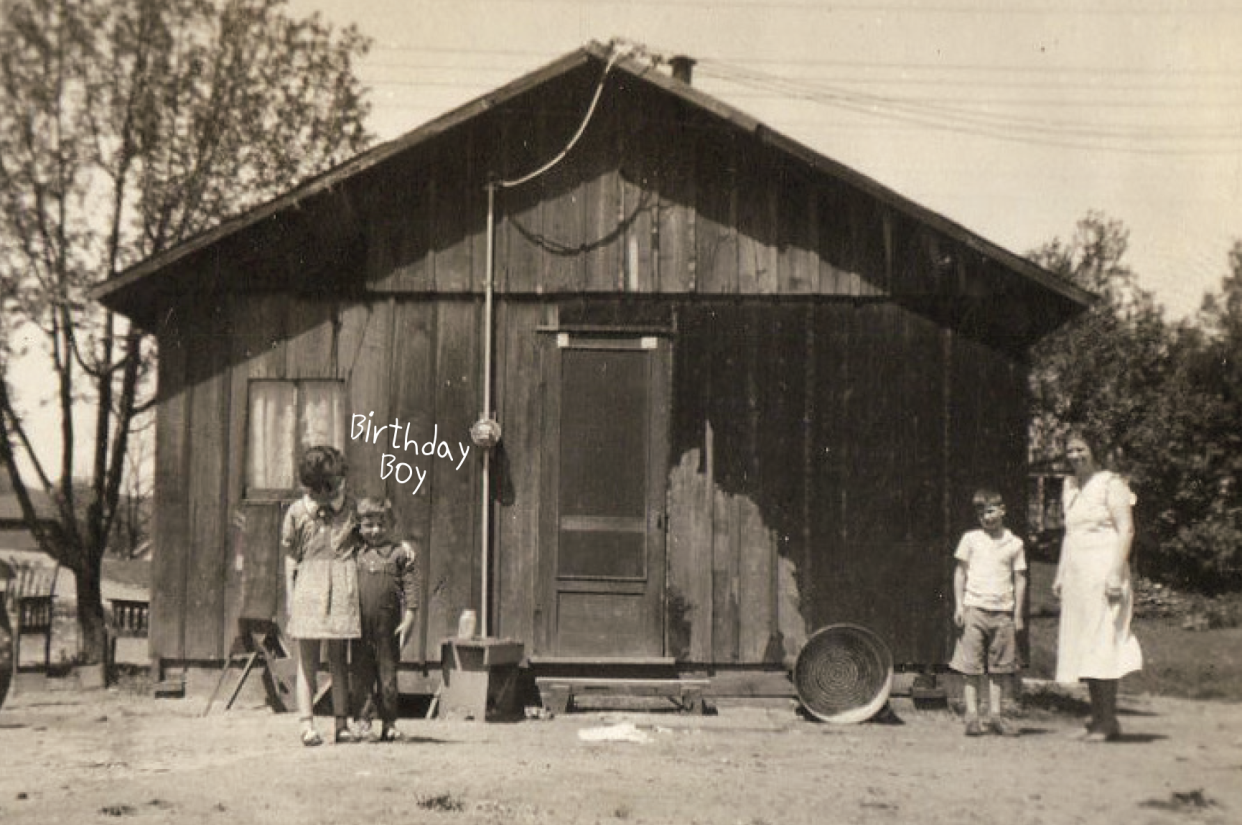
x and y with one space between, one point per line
389 585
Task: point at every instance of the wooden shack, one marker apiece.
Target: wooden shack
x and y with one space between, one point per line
745 391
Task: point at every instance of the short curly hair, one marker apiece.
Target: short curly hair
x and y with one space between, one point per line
372 506
321 469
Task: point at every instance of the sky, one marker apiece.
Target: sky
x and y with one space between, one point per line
1013 118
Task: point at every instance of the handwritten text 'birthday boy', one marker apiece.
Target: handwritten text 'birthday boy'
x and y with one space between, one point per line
362 427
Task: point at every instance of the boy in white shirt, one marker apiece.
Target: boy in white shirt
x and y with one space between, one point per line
989 589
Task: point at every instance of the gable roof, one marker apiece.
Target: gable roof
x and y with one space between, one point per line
11 516
132 291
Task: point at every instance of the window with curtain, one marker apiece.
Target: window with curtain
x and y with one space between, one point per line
287 417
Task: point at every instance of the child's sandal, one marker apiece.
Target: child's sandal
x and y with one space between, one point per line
311 738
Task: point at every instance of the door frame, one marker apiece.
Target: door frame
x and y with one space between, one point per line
659 422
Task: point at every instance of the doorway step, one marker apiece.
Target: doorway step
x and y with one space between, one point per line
645 683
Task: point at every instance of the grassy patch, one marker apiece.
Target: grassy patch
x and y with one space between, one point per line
1189 664
1181 802
1052 701
134 680
1200 663
442 802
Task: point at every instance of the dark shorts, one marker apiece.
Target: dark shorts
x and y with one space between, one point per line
987 643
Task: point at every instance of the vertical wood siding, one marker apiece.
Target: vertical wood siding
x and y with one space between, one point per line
519 393
172 504
208 345
656 197
454 562
808 473
416 360
256 579
412 392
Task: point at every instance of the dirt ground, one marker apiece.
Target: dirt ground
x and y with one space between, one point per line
118 755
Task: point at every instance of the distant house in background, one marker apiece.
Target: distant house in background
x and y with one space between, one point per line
33 577
122 581
17 544
1044 500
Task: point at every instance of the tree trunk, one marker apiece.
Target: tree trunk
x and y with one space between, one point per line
6 652
91 622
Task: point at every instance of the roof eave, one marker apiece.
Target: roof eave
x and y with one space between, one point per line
112 292
108 292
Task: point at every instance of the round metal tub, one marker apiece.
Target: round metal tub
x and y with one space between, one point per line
844 674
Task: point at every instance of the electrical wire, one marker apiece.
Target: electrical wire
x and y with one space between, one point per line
973 122
1078 88
616 54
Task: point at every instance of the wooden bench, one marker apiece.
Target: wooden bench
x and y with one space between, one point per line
127 630
557 693
32 597
129 617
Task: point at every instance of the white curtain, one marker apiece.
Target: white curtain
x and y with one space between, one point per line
323 414
273 421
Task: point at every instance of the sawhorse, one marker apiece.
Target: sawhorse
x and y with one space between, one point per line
259 643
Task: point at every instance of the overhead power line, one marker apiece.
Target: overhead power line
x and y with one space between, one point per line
1197 122
1070 8
1150 73
1138 138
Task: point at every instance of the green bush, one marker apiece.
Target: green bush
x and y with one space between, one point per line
1205 557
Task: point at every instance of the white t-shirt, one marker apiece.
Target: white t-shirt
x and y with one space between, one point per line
990 565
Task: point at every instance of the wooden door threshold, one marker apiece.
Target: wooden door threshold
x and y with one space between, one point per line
604 661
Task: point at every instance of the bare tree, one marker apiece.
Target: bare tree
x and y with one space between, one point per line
126 127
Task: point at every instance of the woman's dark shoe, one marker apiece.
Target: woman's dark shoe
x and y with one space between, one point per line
1107 734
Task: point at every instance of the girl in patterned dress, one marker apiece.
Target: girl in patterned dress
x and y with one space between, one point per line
322 581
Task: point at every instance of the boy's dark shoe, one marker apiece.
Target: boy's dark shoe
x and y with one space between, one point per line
1003 727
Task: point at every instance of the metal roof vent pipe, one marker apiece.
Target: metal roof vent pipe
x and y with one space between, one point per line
683 67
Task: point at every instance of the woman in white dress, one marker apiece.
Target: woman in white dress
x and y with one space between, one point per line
1093 581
